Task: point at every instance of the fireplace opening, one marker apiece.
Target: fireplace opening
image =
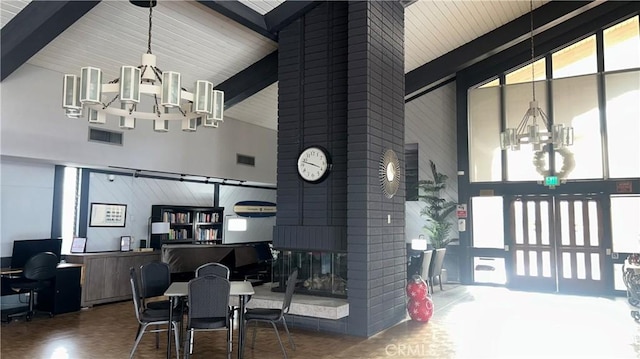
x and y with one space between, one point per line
319 273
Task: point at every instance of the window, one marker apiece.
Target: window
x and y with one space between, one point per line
520 165
623 126
70 197
575 103
523 74
488 222
485 156
577 59
622 45
493 83
625 228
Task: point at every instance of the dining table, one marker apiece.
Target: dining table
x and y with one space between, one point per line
240 289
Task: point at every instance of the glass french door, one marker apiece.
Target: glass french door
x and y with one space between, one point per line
557 244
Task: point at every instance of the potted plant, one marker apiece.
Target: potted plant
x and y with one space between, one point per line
437 209
439 226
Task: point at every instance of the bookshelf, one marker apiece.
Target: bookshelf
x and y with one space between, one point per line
188 224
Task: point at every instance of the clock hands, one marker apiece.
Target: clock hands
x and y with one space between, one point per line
309 163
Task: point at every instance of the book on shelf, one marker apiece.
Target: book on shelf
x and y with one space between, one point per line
176 217
205 217
207 234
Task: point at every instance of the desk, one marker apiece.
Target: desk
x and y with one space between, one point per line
62 297
242 289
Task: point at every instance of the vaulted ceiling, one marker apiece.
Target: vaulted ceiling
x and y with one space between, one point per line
234 43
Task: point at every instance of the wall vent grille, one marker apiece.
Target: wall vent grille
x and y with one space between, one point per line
104 136
245 160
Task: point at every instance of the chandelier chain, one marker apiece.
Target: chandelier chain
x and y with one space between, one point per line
150 17
533 83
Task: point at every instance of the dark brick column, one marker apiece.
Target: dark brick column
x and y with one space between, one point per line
341 86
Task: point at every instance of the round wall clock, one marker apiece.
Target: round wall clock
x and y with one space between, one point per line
389 172
314 164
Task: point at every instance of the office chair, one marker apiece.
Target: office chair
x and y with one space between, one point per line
216 269
147 317
209 308
37 274
272 316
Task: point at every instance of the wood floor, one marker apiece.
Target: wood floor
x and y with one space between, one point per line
469 322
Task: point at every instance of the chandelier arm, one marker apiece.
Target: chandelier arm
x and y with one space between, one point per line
157 107
523 124
110 102
157 72
545 120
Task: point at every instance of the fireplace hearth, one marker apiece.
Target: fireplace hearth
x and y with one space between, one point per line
319 273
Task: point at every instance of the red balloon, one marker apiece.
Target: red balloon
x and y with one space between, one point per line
420 310
420 306
417 288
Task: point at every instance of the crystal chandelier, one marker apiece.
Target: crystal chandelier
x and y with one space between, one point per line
528 130
169 100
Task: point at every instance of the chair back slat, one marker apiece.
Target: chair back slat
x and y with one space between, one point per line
216 269
155 279
209 297
41 266
291 285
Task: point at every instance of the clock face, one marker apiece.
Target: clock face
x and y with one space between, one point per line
313 164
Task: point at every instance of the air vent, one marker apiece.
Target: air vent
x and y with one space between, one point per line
245 160
103 136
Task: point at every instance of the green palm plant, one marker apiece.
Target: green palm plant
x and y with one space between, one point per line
437 209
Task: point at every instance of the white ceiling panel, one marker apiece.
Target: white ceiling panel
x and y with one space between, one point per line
435 27
187 37
198 42
10 8
262 6
260 109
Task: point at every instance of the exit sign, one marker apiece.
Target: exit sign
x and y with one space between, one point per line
551 181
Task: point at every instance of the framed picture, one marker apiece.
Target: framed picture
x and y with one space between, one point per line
108 215
78 245
125 243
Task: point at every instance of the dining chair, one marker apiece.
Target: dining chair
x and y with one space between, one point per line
427 258
273 316
208 309
147 316
435 270
37 274
155 278
217 269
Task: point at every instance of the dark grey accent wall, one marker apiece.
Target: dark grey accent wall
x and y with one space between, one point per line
375 225
312 110
341 86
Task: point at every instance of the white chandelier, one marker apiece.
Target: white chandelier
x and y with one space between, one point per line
170 101
528 130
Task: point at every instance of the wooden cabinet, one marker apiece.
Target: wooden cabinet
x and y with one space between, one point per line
105 276
188 224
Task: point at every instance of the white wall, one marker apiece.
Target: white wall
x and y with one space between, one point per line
430 121
33 125
26 197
